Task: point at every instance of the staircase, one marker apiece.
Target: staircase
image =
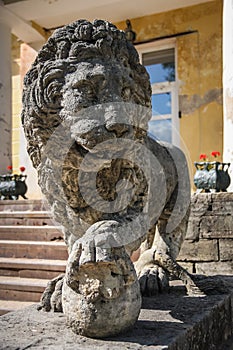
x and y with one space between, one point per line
32 252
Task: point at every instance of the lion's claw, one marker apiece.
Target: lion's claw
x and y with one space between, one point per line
153 280
52 297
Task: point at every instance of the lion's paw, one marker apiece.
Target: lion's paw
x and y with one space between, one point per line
153 280
52 297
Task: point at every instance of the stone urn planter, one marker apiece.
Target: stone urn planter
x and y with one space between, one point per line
12 186
211 176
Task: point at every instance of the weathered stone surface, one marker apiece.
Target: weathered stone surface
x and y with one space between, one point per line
222 197
200 203
215 268
217 226
226 249
173 321
211 222
189 266
219 206
204 250
193 230
86 107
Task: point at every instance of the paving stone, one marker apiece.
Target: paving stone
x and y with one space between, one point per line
171 321
8 306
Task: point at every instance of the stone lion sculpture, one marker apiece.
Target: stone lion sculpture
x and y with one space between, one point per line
86 105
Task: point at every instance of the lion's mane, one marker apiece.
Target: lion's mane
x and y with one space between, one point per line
76 42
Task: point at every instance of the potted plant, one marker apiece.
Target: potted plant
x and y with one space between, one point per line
211 176
13 185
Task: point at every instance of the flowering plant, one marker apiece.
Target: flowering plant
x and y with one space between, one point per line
211 175
10 169
22 169
215 154
203 157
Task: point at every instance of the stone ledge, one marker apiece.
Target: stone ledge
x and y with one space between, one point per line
173 321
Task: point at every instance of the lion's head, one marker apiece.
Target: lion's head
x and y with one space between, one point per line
83 64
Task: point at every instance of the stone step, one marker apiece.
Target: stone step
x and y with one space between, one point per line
31 268
30 273
33 264
31 243
9 305
16 290
19 295
31 233
32 218
23 284
30 249
23 205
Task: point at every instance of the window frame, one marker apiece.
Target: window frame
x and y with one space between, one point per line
163 87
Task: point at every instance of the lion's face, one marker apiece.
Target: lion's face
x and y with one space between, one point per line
97 99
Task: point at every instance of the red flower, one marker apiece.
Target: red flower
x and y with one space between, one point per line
203 156
22 169
9 167
215 154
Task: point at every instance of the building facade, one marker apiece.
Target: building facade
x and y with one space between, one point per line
187 51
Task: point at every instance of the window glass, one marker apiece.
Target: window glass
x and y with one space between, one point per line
161 129
160 65
161 104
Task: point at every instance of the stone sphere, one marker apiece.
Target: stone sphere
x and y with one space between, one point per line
103 315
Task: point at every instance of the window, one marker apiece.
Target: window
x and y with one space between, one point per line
160 62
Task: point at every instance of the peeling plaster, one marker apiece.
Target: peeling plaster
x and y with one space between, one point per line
228 97
50 2
188 104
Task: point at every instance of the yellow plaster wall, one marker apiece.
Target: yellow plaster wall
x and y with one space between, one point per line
199 57
16 103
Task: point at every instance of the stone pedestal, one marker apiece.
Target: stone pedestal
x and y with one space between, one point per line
208 246
171 321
